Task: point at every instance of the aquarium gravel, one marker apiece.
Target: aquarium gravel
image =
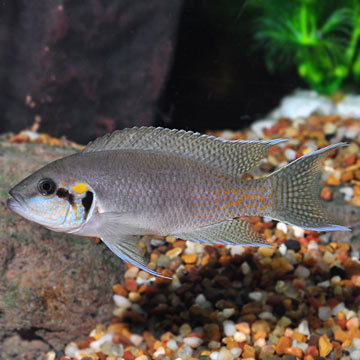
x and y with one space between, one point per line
297 300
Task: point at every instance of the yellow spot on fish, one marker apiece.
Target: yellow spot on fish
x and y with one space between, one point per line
80 188
265 189
236 191
238 202
255 196
231 204
223 185
225 206
225 192
232 190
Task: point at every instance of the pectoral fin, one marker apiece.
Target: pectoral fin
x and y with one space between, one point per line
126 247
232 232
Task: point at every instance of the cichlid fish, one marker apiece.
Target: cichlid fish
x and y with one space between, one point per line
154 181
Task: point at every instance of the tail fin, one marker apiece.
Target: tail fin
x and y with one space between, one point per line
296 193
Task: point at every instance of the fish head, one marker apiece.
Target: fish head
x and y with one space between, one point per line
53 199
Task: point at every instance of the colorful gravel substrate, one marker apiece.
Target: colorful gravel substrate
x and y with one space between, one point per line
297 300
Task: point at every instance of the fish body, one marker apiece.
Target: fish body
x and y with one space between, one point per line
153 181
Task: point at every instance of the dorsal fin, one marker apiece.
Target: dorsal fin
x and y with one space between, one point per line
234 157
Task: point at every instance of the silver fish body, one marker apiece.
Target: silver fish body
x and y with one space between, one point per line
151 181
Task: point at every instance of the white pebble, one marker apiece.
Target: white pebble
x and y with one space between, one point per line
290 154
282 249
313 245
245 268
50 355
228 312
283 227
214 355
229 328
298 231
136 339
214 344
225 354
172 344
355 355
71 349
160 351
236 352
324 313
356 343
157 242
256 295
236 250
96 344
330 128
302 272
239 337
200 300
302 346
325 283
193 341
348 192
267 315
303 328
121 301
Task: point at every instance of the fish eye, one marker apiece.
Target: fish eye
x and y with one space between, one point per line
46 187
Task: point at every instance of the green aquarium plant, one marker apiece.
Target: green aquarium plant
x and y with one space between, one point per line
321 37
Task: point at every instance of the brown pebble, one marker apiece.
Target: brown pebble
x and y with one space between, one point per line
131 284
211 332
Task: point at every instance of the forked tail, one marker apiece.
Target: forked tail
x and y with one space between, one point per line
296 193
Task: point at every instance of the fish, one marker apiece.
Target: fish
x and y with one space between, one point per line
158 181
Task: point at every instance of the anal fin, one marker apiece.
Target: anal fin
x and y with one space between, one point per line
232 232
126 247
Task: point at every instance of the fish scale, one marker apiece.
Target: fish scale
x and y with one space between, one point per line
153 181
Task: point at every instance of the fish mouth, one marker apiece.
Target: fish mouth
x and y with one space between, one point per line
16 203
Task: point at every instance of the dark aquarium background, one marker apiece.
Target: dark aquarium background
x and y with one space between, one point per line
82 69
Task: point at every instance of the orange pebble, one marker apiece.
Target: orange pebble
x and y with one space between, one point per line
299 337
308 357
347 176
128 355
283 343
189 258
350 160
225 260
333 180
248 352
120 290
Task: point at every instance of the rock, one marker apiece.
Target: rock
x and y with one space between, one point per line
229 328
324 312
349 106
54 287
293 245
112 56
303 103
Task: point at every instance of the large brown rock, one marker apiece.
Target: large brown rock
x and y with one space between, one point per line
84 67
53 287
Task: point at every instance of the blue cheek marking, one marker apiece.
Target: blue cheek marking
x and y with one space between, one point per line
51 211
